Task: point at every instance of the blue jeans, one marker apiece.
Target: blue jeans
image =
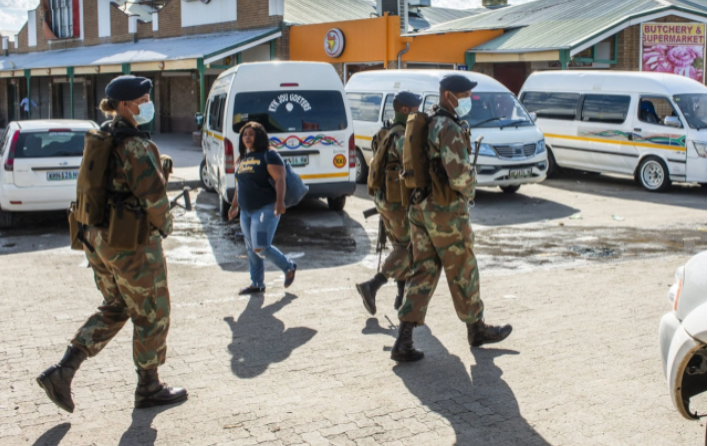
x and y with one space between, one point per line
258 230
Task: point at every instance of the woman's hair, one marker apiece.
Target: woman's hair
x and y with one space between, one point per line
109 107
261 143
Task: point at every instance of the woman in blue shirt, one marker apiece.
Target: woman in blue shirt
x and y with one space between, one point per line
261 204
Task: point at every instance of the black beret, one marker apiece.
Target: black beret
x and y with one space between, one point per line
128 88
407 98
457 83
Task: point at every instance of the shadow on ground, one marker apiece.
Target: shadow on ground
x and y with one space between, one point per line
479 405
259 339
141 432
35 231
492 207
624 187
53 436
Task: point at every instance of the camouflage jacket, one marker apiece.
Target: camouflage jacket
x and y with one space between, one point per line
448 142
139 172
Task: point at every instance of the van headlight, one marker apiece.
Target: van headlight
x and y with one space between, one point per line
540 147
700 148
485 150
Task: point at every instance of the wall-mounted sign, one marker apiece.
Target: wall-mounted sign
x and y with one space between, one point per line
677 48
334 42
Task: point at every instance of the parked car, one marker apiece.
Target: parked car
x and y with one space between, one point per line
303 107
682 336
40 162
649 125
513 152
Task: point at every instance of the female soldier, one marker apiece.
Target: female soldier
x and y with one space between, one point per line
133 281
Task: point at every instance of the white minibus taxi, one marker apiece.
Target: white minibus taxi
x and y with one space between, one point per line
513 152
649 125
302 106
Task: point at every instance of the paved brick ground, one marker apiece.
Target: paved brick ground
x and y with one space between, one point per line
309 367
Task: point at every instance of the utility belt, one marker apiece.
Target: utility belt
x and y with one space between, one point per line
127 225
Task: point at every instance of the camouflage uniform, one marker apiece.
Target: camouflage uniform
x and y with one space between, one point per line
397 263
133 283
441 235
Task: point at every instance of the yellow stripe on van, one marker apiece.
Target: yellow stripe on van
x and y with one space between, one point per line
365 138
612 141
215 135
324 175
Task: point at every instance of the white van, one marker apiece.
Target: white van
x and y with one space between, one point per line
513 152
649 125
302 106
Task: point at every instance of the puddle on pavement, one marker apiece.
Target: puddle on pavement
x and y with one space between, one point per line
523 247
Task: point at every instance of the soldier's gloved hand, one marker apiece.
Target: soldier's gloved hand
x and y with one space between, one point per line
167 165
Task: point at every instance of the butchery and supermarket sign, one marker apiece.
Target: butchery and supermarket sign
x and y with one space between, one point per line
677 48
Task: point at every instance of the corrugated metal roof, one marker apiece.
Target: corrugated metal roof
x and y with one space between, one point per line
145 50
432 16
546 24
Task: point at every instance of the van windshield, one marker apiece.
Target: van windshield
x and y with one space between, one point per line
291 111
493 110
693 107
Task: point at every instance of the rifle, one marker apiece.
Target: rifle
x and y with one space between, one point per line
187 201
380 237
477 144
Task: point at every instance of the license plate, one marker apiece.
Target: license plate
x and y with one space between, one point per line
62 176
520 173
299 160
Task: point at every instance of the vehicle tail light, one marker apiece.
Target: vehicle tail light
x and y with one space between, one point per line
229 166
676 288
352 152
10 162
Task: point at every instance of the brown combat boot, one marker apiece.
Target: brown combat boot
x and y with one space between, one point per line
56 380
480 333
151 392
401 284
403 350
368 290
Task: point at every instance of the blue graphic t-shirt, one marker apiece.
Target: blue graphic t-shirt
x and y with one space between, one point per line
254 189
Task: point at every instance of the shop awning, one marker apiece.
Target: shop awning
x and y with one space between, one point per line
174 53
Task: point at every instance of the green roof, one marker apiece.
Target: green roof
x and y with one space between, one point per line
560 24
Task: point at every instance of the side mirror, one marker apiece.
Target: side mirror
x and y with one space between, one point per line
533 116
199 119
672 121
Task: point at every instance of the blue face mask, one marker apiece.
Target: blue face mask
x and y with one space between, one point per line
147 113
464 105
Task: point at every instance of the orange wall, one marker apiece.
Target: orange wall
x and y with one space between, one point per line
366 41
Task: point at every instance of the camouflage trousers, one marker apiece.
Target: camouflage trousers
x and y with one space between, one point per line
441 240
397 263
134 286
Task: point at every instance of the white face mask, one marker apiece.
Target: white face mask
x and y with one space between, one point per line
146 114
464 105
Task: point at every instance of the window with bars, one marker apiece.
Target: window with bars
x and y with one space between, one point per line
63 18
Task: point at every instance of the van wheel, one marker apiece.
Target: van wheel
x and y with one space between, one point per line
654 175
7 219
204 177
362 170
336 203
510 189
553 169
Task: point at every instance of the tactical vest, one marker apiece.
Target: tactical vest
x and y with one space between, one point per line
419 171
379 166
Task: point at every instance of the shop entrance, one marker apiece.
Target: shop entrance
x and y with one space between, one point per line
511 75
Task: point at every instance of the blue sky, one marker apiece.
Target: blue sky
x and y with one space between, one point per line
13 13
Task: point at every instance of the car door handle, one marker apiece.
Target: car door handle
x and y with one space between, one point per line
637 129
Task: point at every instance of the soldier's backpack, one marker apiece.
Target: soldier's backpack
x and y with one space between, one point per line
415 152
92 182
380 146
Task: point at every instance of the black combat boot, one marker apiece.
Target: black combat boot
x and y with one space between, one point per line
480 333
56 380
401 284
403 350
151 392
368 290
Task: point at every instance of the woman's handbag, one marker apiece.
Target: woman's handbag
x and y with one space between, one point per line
295 189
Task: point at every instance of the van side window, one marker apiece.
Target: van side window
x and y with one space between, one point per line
220 119
365 106
430 100
653 110
213 118
611 109
562 106
388 112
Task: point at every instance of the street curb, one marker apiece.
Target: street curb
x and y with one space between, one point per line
180 185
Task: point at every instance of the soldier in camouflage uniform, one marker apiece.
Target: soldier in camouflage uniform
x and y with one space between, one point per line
133 282
441 235
397 263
